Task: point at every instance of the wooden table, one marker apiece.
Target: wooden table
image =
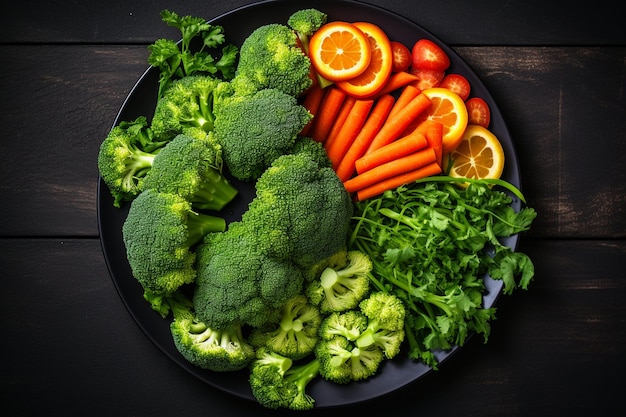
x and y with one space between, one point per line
71 348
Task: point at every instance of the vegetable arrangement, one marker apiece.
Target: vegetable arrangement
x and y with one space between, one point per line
356 240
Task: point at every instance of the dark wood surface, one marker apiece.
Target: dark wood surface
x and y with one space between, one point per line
70 347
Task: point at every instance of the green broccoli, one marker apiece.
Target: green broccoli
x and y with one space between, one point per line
255 130
305 23
216 350
186 102
238 282
385 323
176 62
301 210
191 166
314 148
342 362
158 234
295 335
341 287
277 383
125 156
271 57
354 343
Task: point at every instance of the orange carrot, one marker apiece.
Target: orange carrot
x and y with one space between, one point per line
312 103
375 120
328 110
391 169
398 148
394 182
395 126
407 94
349 131
397 80
434 136
343 114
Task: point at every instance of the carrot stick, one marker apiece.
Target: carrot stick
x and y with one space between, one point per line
407 94
391 169
347 105
329 108
312 103
375 120
398 148
397 80
394 182
349 131
434 136
395 126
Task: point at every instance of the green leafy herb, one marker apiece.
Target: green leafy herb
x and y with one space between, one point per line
176 60
432 244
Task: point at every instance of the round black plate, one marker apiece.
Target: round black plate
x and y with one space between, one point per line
238 24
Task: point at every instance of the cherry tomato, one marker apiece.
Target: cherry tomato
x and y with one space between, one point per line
426 54
401 56
458 84
478 112
427 78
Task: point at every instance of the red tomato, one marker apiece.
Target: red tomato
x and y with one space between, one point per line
478 112
458 84
426 54
401 56
427 78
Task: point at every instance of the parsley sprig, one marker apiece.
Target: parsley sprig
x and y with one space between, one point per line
432 243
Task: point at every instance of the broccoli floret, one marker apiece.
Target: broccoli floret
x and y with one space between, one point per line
271 57
255 130
125 157
342 362
305 23
186 102
158 234
191 166
385 323
341 287
296 334
301 211
216 350
238 282
349 324
277 383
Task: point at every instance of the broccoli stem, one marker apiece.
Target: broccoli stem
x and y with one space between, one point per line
214 193
200 224
301 375
140 163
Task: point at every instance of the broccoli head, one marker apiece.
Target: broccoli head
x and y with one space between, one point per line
341 287
349 324
186 102
191 166
238 282
217 350
125 157
342 362
296 334
277 383
255 130
315 149
385 323
158 234
271 57
301 210
305 23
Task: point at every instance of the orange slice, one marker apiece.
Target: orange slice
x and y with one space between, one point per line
447 108
339 51
373 79
479 155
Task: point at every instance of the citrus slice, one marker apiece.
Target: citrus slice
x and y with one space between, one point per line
339 51
478 156
448 109
373 79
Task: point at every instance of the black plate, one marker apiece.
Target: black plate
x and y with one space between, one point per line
141 100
